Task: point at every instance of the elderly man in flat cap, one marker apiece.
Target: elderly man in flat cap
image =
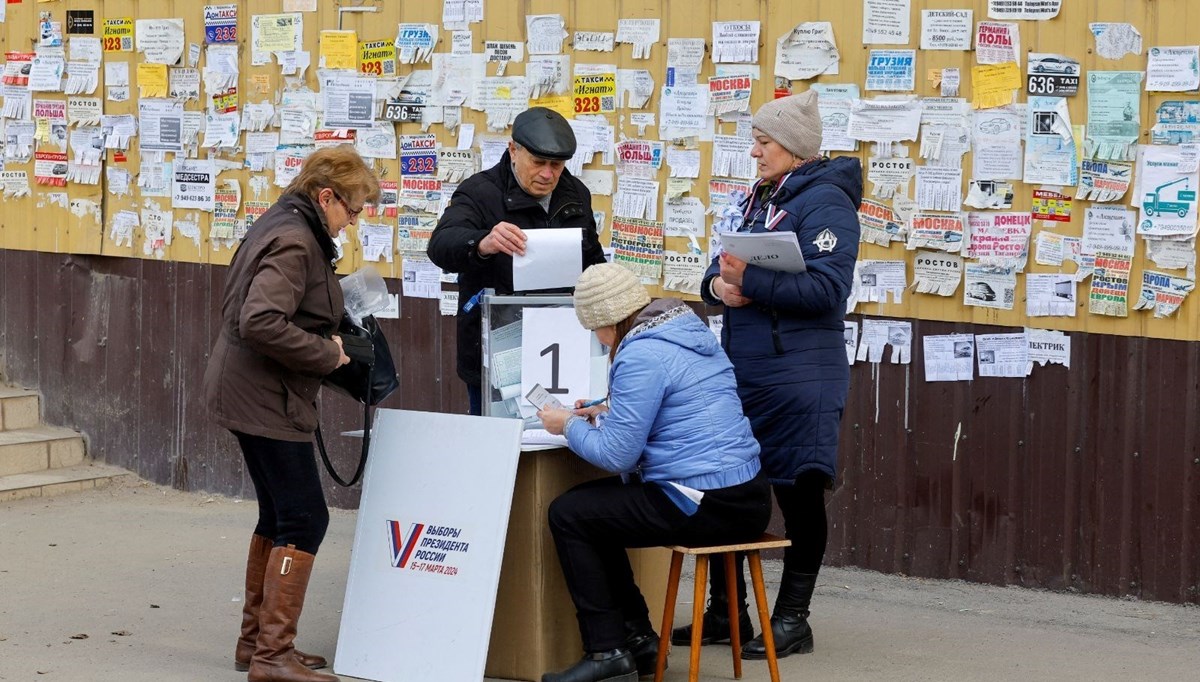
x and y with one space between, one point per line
485 223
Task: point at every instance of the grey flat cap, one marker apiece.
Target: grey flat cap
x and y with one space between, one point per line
545 133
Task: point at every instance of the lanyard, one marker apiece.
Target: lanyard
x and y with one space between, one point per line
774 213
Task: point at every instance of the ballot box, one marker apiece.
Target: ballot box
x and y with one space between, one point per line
536 340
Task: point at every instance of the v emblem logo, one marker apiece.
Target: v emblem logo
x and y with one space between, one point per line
401 550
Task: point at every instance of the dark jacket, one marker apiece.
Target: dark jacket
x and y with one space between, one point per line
787 346
281 299
480 202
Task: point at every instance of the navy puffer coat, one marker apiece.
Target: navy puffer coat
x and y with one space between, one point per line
787 346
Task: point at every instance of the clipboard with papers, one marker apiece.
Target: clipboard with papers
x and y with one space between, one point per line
778 251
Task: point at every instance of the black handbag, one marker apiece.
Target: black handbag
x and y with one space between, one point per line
368 378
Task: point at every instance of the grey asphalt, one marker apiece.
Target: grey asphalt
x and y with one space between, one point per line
141 583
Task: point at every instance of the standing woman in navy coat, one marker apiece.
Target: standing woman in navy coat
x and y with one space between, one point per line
784 334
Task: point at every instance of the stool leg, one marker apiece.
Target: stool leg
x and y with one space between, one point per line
764 620
698 616
664 637
735 629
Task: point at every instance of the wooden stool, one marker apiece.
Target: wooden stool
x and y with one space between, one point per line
767 541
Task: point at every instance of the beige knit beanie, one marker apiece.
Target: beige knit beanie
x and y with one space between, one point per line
794 122
606 294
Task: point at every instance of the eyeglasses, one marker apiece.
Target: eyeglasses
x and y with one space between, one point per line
349 211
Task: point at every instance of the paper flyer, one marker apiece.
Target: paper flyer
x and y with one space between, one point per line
891 70
1163 293
946 29
1003 355
1166 194
638 245
950 357
807 51
989 287
886 22
941 231
1110 285
877 335
999 239
935 273
1114 115
997 42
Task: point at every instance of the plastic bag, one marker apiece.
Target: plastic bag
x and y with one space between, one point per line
365 292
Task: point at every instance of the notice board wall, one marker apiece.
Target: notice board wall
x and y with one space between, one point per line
80 222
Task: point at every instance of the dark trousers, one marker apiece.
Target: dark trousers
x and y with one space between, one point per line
805 524
475 396
595 522
291 503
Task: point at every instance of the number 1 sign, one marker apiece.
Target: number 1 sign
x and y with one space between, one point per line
555 352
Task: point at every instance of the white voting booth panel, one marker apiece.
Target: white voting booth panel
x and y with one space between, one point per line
428 547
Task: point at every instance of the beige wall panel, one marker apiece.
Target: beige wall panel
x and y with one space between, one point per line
33 223
112 9
17 231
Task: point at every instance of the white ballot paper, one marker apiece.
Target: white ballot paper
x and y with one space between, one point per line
777 251
950 357
539 398
553 259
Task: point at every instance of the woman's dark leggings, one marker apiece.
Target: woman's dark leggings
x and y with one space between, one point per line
291 503
805 524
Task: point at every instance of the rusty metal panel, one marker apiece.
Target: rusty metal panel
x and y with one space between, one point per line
1083 479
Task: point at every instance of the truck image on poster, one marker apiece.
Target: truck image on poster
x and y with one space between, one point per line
1157 202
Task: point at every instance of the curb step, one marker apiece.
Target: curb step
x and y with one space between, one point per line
37 460
58 481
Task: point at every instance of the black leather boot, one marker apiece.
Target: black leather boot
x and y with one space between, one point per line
789 623
716 625
642 643
606 666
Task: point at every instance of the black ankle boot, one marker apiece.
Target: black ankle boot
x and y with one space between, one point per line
644 649
789 624
716 626
606 666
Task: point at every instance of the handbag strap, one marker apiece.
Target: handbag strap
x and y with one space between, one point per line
366 446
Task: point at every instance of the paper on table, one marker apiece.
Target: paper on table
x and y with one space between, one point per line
553 259
778 251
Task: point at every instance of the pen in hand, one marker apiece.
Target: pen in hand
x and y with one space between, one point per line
593 403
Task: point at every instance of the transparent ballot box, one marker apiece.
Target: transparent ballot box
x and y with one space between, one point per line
536 339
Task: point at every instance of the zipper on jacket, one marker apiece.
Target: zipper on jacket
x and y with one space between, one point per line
775 337
550 218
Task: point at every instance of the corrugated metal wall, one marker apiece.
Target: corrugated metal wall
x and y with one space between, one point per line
1085 479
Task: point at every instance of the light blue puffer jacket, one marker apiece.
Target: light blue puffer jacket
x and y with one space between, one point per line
674 412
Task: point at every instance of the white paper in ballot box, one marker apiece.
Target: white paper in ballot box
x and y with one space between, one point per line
553 260
778 251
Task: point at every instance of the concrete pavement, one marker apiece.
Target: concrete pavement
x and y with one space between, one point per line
140 583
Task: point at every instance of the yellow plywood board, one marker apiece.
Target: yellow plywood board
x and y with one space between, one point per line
38 222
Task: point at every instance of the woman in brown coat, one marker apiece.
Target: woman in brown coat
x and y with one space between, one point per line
280 304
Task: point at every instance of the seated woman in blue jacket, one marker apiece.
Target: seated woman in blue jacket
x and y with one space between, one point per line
688 463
